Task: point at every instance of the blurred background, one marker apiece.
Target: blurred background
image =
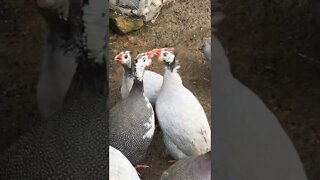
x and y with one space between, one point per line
274 49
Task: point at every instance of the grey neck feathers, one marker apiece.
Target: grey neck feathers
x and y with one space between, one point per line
137 86
127 71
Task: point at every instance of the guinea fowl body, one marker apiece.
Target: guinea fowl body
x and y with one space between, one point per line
69 145
186 131
132 124
250 143
190 168
185 127
73 142
151 85
58 64
120 166
56 75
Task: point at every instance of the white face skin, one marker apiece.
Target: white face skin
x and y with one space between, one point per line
124 58
143 60
166 55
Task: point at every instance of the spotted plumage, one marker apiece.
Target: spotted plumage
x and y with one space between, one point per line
132 120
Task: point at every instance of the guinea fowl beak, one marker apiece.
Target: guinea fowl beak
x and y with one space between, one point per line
118 58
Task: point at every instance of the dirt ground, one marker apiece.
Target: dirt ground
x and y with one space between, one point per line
21 30
271 45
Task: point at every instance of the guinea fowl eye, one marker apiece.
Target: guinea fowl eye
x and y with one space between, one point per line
125 56
165 54
144 59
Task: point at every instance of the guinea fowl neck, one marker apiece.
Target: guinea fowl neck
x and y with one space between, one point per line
138 79
171 75
89 37
173 65
137 85
127 72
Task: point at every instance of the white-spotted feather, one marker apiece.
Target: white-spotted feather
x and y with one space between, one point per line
151 125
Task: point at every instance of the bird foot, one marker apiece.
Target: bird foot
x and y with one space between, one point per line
138 166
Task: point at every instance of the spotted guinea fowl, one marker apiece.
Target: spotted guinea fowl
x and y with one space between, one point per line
58 66
191 168
132 122
185 127
151 81
120 167
249 142
73 142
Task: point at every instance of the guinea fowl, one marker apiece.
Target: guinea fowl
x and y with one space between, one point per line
151 81
185 127
190 168
249 142
73 142
132 122
120 167
58 66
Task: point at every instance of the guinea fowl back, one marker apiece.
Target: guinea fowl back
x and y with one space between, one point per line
72 143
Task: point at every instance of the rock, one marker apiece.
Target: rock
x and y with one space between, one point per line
124 25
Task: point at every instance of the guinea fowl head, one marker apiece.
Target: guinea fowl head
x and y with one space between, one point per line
142 61
167 56
124 58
